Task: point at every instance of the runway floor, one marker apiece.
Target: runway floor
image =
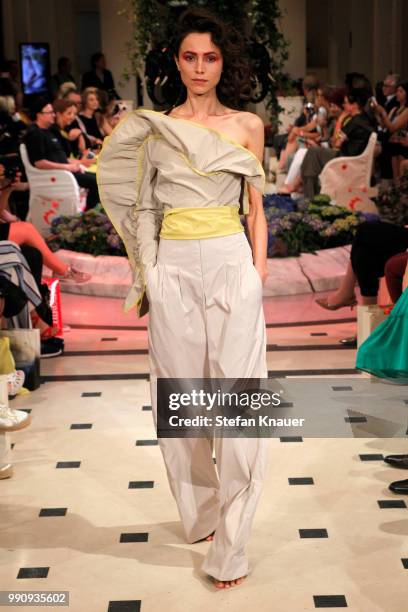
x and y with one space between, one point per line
89 510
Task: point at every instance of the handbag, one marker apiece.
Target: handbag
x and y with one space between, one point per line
26 349
7 363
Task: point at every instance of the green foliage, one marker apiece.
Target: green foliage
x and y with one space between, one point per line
153 21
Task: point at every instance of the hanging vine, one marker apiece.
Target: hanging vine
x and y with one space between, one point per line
153 21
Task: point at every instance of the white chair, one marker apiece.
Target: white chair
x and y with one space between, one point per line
344 175
52 193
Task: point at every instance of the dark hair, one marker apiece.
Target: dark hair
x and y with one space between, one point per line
61 105
37 107
404 86
95 58
335 95
356 80
233 88
62 62
358 96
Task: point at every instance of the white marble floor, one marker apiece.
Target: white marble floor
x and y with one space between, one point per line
69 520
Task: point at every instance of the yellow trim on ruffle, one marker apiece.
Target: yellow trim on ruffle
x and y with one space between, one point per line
210 129
197 223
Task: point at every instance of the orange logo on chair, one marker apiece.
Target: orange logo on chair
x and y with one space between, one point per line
51 212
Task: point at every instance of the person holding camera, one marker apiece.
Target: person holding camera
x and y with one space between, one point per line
396 124
349 141
46 152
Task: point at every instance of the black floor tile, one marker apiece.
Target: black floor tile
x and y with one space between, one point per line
301 481
405 563
330 601
33 572
371 457
147 442
147 408
68 464
81 426
53 511
91 394
125 606
141 484
291 439
355 419
392 503
313 533
133 537
344 388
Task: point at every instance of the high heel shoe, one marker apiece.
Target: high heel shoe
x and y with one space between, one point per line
325 304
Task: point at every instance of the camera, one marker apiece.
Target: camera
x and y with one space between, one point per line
11 165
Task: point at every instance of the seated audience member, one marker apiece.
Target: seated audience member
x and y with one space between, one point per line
328 122
63 75
373 246
99 77
89 118
351 140
69 91
310 85
114 113
24 299
11 125
68 132
12 74
46 153
23 233
396 124
386 97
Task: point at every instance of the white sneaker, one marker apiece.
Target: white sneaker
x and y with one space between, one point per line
13 420
6 471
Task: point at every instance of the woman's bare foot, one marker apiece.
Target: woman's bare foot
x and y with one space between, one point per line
227 584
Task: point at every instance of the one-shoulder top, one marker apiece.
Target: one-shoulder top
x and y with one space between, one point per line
151 163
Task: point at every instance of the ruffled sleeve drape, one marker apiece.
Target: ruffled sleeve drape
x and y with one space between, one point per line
152 162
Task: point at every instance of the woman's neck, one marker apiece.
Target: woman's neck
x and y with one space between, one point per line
203 106
88 113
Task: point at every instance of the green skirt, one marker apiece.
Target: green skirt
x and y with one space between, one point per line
385 352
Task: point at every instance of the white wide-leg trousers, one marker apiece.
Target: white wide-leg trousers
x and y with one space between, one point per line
206 320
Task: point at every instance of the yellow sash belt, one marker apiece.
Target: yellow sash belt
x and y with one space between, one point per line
196 223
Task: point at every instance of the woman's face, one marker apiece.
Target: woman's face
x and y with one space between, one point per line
401 95
335 111
67 116
92 102
348 107
200 63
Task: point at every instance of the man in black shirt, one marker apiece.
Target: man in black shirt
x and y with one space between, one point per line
46 152
351 140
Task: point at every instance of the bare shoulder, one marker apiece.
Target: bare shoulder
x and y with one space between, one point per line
250 121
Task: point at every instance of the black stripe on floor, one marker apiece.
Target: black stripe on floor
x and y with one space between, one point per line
268 325
79 377
146 376
270 348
